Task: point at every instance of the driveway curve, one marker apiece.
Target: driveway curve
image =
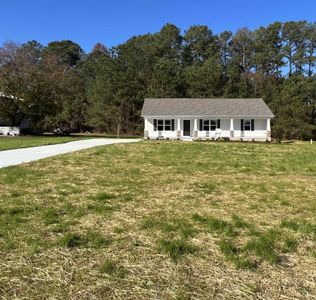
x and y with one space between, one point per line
19 156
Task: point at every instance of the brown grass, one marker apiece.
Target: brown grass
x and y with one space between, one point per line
147 221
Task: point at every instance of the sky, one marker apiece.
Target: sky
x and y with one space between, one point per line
87 22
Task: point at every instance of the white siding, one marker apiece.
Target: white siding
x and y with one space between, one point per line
260 124
4 130
152 134
260 132
225 124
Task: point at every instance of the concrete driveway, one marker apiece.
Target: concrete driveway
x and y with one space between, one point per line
18 156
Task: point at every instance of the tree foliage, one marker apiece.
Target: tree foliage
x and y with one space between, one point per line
61 86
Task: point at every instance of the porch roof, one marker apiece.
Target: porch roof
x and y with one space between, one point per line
201 107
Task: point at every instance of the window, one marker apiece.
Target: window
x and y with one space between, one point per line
160 125
168 125
209 125
213 125
206 125
248 125
164 125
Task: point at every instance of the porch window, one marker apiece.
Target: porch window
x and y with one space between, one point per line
249 125
160 125
164 125
209 125
206 125
213 125
168 125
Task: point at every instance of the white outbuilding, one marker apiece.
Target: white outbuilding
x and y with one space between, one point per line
6 128
187 118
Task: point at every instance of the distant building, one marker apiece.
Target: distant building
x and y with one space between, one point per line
185 118
5 127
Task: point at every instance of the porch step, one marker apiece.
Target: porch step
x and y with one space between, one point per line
187 139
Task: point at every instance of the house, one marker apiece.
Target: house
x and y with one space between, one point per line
184 118
6 127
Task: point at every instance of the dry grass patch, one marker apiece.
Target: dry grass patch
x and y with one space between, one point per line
161 220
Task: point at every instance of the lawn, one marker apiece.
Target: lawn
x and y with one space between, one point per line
161 220
9 142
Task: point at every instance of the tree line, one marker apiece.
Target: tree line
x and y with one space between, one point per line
59 85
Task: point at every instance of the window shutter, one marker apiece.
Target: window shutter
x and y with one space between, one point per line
172 124
242 124
252 124
201 124
218 123
155 124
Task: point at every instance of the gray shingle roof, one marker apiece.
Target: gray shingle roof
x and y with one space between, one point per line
195 107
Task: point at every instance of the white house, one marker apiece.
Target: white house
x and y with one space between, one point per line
184 118
5 127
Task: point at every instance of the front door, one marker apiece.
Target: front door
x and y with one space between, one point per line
186 128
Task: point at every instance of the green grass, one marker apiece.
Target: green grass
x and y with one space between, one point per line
7 143
161 220
89 240
233 254
103 196
177 248
264 246
51 216
214 224
112 269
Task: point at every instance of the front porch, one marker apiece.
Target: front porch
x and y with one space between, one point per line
207 128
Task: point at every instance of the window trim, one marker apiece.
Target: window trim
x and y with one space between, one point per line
164 125
248 125
160 125
213 125
209 124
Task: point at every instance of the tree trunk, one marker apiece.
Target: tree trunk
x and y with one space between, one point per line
118 129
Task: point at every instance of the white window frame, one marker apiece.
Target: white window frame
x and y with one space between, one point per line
248 126
209 125
165 124
213 125
160 125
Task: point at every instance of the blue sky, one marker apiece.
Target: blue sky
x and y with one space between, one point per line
112 22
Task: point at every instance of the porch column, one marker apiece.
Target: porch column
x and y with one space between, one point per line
145 128
268 130
195 130
231 128
178 128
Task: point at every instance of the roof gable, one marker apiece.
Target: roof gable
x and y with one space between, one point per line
201 107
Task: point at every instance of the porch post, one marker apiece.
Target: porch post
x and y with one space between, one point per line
268 130
231 128
145 128
178 128
195 131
